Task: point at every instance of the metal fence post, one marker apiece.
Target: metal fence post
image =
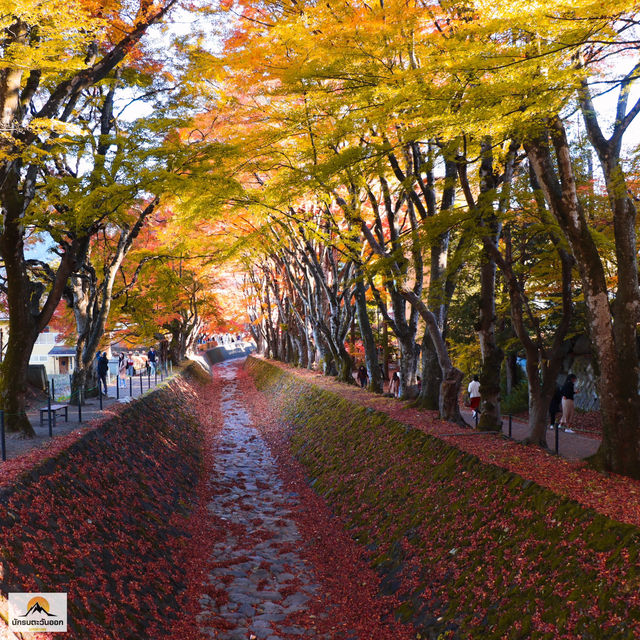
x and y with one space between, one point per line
79 405
49 412
476 417
100 393
118 388
3 442
130 386
53 390
510 420
141 391
149 378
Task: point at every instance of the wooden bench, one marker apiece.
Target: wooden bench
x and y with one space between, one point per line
54 410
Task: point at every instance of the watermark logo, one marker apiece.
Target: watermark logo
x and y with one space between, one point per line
29 612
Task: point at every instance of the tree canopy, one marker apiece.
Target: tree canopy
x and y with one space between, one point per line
457 181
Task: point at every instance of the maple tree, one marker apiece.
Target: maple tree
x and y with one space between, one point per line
166 288
371 90
49 66
150 159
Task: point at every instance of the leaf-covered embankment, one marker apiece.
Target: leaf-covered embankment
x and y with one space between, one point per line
107 520
470 549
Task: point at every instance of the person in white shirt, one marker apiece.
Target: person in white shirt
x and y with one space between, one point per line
474 395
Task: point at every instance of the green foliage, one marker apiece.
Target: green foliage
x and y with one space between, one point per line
518 400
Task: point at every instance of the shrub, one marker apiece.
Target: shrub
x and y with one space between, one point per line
518 400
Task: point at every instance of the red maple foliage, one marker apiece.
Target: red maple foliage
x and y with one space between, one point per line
612 495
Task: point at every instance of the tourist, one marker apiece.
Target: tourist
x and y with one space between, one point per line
474 395
568 408
130 368
122 370
362 376
103 369
152 359
394 385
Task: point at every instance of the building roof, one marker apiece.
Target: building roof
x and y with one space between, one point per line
62 350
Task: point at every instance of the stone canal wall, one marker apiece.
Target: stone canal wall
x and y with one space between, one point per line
470 549
105 519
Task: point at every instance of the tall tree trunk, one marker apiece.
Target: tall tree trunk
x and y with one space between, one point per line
79 295
625 311
618 376
439 298
451 376
490 418
345 366
27 317
326 357
429 397
539 401
511 366
23 328
542 385
408 364
311 350
370 348
385 348
13 381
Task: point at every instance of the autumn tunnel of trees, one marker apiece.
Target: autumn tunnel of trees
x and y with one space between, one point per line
454 182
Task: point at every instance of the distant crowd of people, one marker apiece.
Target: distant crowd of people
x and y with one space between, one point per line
219 338
130 363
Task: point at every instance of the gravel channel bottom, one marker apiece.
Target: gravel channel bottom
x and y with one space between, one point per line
260 578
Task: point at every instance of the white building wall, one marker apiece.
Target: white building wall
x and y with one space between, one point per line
40 354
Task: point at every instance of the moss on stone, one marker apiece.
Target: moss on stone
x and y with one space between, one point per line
496 553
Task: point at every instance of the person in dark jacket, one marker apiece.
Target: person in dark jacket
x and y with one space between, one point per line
103 369
568 393
555 407
363 376
152 359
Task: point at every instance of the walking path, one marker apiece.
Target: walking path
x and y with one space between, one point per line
572 446
266 578
17 445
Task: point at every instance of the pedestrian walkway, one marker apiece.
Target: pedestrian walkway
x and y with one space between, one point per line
257 564
16 445
572 446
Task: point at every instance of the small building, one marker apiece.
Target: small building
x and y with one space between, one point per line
61 359
56 357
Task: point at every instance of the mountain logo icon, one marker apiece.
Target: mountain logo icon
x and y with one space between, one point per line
38 605
35 612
